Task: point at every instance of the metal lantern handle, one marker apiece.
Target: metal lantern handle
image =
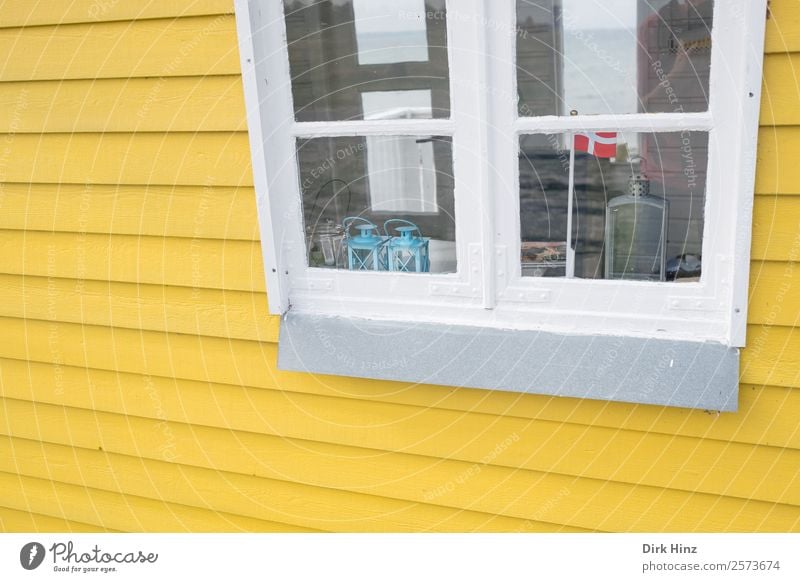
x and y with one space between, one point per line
348 222
402 221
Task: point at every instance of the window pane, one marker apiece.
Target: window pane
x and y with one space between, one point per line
613 56
343 50
638 205
400 185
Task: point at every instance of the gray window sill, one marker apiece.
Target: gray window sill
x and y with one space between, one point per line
623 369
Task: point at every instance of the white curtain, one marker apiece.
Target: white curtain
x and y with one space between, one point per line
402 169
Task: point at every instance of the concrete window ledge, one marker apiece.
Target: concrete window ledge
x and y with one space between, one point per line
624 369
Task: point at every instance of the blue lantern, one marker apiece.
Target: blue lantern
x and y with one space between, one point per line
366 251
408 252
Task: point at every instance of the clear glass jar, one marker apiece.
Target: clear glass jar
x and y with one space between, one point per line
325 245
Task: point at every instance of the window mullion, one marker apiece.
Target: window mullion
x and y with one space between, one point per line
470 108
504 151
484 104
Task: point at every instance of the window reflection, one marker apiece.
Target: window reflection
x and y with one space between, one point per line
638 210
390 31
613 56
341 49
346 187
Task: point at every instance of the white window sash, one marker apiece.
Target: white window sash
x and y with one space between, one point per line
488 288
280 210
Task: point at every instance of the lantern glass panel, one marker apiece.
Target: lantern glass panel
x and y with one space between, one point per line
636 215
388 182
635 237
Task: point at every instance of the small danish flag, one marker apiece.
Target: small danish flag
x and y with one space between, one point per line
602 144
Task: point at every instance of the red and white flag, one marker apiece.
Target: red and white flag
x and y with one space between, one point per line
602 144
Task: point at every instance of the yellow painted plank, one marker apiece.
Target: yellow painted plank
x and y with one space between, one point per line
246 495
16 521
781 90
189 212
653 459
783 27
775 293
42 12
772 356
181 310
185 262
123 105
124 512
203 358
204 45
766 416
776 228
762 417
183 159
436 483
777 172
402 477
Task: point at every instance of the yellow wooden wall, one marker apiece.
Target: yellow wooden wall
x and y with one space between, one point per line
137 368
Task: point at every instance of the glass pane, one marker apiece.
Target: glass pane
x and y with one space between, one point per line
368 59
382 203
637 210
613 56
543 182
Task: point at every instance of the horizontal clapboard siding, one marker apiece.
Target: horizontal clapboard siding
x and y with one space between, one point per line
138 383
778 102
179 159
521 492
182 47
121 511
775 293
774 175
626 457
247 495
153 104
181 310
196 212
184 400
185 262
27 521
37 12
776 228
783 27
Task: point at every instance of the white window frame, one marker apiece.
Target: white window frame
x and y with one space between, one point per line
488 289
